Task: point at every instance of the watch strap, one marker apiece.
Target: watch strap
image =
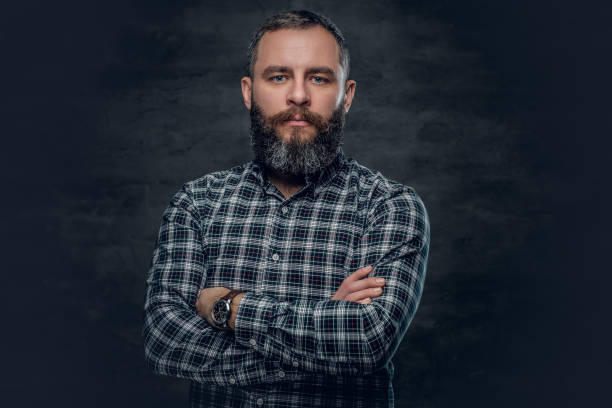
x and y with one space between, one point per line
232 293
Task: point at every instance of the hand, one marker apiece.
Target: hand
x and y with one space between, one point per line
206 299
355 289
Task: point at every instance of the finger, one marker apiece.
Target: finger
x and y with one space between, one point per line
359 273
365 301
363 294
365 284
349 280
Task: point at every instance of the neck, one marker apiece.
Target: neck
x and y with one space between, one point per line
287 184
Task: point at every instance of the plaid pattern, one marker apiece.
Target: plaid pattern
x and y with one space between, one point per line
292 346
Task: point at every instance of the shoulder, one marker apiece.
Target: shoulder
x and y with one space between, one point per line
201 195
394 209
213 185
383 195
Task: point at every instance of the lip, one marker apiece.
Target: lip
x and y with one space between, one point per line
297 122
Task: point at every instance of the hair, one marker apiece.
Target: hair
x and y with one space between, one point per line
300 20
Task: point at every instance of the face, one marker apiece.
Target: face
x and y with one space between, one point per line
298 97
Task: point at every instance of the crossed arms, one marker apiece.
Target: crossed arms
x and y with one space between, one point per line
332 336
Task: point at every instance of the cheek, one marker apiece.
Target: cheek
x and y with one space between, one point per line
269 101
327 104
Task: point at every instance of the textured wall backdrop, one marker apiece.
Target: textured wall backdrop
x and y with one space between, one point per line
125 101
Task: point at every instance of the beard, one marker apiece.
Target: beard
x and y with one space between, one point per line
297 156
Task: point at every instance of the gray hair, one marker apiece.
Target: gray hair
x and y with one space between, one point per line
297 19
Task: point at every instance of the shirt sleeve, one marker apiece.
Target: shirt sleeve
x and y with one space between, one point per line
177 341
341 337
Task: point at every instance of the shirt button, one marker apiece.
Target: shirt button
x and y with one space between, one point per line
295 364
252 342
281 373
232 380
275 257
284 210
260 401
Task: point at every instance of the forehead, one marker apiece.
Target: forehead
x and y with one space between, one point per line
298 48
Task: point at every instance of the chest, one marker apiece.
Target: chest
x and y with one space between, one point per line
288 249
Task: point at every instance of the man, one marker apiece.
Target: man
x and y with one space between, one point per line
289 280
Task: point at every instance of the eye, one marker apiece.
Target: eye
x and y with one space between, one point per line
319 80
278 78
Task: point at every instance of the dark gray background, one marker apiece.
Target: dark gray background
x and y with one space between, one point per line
488 109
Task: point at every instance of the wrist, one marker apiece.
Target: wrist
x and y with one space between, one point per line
234 308
222 309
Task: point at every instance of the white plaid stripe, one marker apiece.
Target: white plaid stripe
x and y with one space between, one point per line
233 228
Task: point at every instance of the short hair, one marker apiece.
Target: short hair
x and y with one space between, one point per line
301 20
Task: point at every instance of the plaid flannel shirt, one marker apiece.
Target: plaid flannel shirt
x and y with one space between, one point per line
292 346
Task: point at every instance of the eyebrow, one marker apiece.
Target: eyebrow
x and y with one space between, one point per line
284 69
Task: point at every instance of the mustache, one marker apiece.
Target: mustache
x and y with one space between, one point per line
316 119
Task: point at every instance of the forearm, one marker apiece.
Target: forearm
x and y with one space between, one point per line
256 315
182 344
305 334
329 337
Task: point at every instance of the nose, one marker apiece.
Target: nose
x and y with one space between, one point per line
298 94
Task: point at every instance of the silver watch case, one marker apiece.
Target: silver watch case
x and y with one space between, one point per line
221 312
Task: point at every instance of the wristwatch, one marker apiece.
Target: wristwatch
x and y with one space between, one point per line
221 310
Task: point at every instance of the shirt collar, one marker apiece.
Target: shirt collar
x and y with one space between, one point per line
315 182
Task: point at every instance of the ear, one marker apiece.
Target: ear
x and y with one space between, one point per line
349 93
246 84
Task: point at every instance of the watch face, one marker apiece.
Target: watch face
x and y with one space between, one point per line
220 311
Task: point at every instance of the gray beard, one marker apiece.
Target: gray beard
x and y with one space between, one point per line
296 158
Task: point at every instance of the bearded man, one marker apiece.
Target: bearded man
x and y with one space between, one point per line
288 281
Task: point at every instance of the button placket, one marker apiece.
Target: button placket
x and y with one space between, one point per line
267 248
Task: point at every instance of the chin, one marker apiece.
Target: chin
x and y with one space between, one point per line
297 134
